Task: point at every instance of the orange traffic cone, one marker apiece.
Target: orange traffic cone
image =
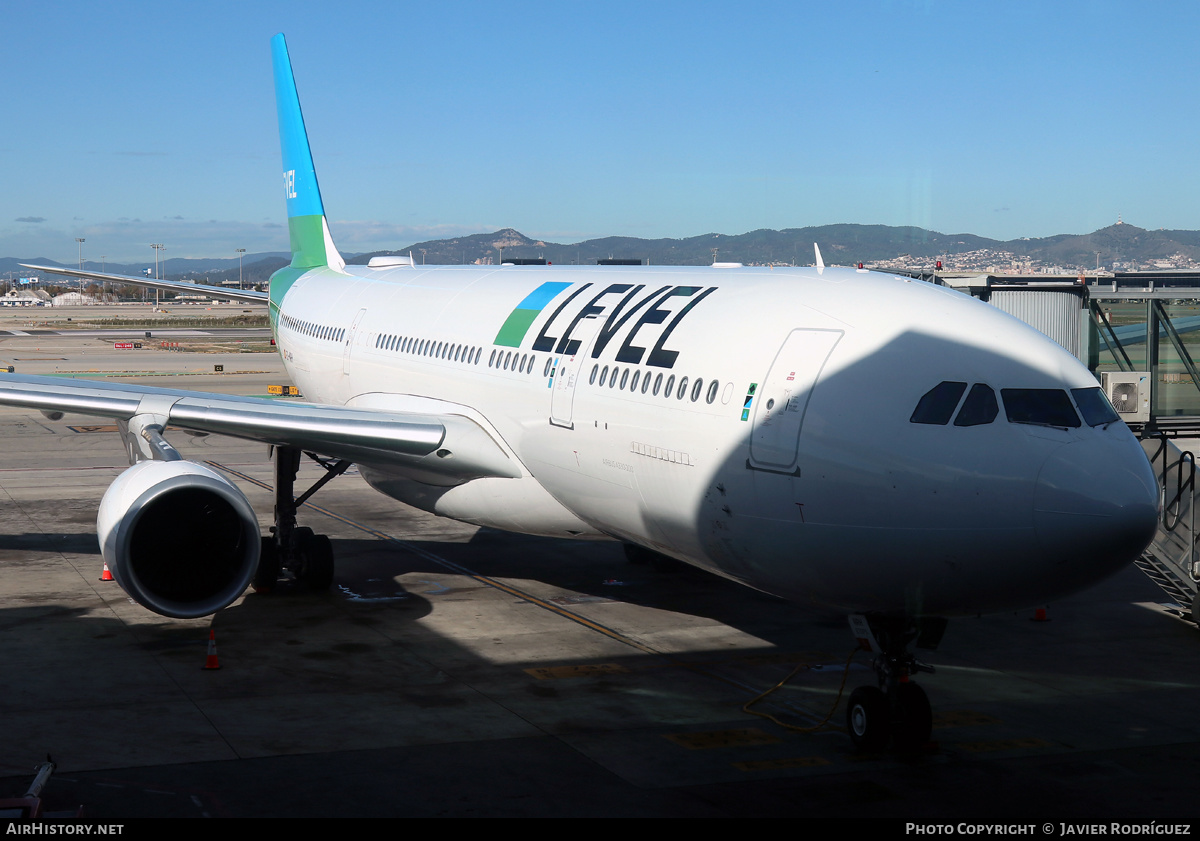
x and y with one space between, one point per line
1039 615
210 662
106 575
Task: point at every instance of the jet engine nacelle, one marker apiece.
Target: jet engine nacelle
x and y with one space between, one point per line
179 538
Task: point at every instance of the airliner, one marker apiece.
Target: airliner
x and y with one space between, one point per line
829 435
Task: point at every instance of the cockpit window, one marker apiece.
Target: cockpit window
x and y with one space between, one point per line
1094 406
1039 406
937 404
980 407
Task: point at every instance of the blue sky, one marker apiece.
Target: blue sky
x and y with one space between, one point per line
132 123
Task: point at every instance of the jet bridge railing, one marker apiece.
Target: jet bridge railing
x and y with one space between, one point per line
1170 560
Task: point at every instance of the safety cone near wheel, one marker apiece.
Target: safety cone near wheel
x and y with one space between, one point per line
106 575
210 662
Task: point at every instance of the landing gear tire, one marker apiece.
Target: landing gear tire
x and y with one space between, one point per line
267 574
315 553
913 722
868 719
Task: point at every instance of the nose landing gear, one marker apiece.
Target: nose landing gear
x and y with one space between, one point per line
897 710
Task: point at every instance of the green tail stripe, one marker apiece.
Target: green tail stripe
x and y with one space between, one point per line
307 235
516 326
281 282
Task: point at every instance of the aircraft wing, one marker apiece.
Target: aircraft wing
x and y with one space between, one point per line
1135 334
248 295
445 449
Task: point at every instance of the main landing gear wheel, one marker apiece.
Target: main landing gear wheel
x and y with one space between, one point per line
267 574
868 719
314 557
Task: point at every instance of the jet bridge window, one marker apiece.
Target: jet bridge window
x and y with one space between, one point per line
1039 406
937 405
980 407
1094 406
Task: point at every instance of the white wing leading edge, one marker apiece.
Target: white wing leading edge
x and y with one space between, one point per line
251 296
451 447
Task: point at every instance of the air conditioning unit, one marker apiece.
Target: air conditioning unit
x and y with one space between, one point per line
1129 392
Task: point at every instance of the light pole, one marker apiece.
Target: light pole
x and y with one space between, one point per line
157 246
240 252
80 241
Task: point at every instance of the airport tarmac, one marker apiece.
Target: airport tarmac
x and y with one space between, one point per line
457 671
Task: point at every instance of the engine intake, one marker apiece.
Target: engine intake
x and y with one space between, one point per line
179 538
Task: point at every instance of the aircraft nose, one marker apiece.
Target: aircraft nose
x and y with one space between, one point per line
1095 508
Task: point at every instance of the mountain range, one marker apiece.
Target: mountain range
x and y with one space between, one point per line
843 244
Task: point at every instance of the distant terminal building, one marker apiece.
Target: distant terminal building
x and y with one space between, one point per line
619 261
73 299
25 298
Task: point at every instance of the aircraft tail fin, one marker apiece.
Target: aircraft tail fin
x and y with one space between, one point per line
312 246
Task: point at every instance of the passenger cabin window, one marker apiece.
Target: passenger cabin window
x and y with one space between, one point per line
937 405
1039 406
1094 406
980 407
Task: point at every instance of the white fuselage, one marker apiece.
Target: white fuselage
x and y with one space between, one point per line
793 466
